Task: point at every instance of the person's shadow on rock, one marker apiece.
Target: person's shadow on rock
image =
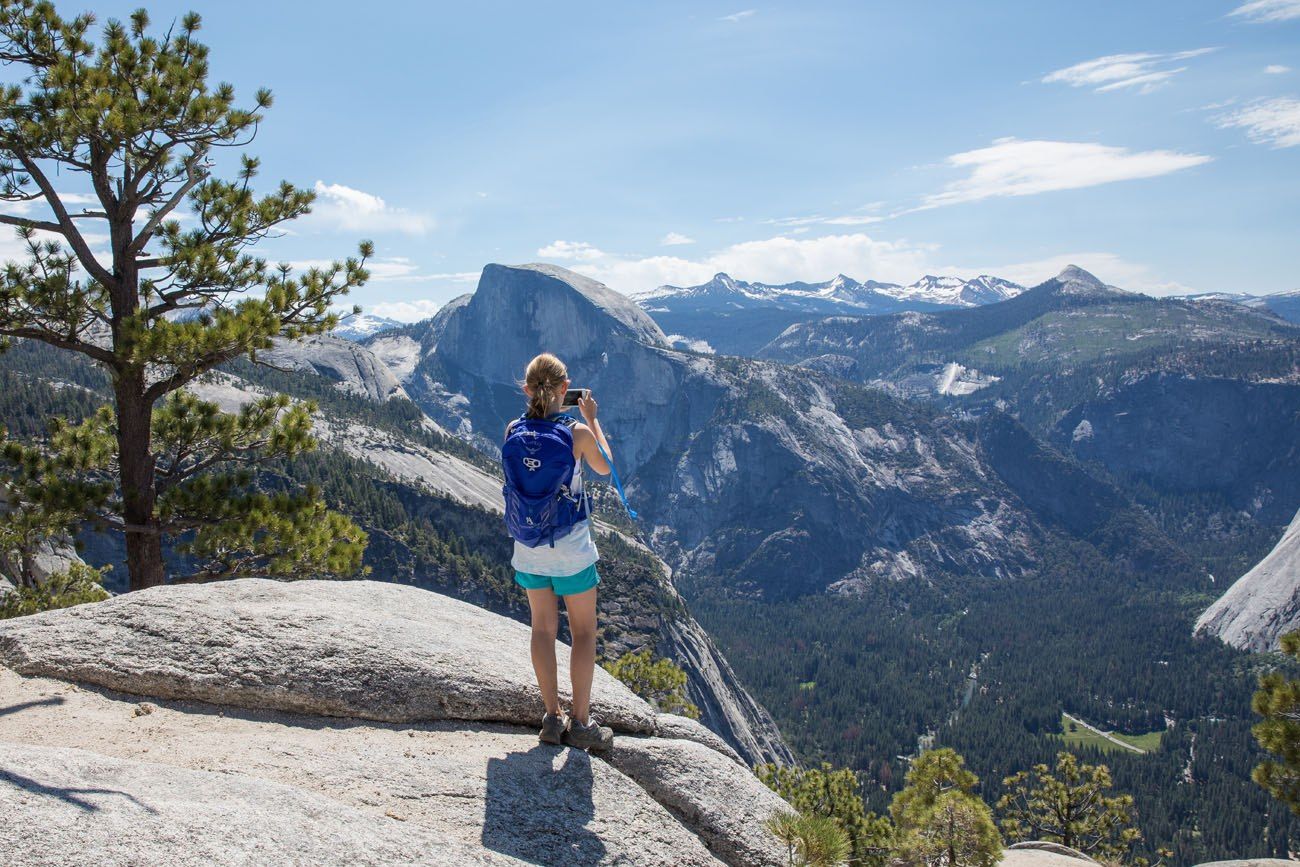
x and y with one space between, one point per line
538 806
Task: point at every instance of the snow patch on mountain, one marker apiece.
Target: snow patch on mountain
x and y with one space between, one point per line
956 380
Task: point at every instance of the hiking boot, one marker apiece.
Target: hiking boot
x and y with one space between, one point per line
552 729
592 736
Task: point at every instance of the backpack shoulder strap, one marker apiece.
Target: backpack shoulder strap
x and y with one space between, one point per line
510 428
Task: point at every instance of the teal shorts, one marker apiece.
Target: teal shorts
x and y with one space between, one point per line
567 585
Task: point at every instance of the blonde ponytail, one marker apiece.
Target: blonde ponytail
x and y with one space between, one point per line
545 376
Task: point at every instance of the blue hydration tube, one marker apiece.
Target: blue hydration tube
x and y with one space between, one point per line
617 484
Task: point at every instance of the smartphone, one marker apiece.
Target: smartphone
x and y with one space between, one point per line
572 395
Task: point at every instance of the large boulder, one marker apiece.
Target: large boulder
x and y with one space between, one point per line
714 796
482 788
335 648
1027 847
91 809
1262 605
412 716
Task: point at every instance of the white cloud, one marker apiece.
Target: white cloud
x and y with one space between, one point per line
394 268
1276 69
1011 167
675 239
345 209
1274 122
405 311
737 17
1146 71
1261 11
577 250
777 260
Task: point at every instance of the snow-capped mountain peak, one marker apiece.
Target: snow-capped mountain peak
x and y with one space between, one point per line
843 290
359 326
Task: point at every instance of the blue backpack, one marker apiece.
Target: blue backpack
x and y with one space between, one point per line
537 459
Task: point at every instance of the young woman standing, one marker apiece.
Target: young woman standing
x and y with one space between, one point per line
566 567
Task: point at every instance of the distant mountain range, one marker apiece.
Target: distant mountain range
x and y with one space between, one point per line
1283 304
733 316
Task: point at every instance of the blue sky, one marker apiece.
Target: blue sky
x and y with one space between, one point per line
1156 144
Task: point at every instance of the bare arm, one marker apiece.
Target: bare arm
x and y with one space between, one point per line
586 438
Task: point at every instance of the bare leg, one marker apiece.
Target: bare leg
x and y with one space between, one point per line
582 660
546 620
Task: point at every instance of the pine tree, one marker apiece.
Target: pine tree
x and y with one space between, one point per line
134 117
1071 807
956 830
659 681
832 794
937 817
1278 702
810 840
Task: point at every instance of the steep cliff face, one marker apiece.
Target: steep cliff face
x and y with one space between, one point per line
1235 438
1262 605
725 707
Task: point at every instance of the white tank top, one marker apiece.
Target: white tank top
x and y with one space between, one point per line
572 553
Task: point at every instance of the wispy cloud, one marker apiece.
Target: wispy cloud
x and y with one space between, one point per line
1146 71
675 239
346 209
1011 167
795 221
1276 69
853 220
819 219
576 250
1262 11
1274 122
737 17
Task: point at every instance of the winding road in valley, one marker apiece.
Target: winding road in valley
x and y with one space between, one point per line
1107 735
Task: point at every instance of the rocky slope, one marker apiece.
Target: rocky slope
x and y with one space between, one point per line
377 724
1209 389
1262 605
351 367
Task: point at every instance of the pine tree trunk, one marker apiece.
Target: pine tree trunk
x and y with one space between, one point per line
144 561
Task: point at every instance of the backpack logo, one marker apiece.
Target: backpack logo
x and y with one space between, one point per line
532 463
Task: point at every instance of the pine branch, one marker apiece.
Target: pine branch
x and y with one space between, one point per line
24 223
68 228
62 341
